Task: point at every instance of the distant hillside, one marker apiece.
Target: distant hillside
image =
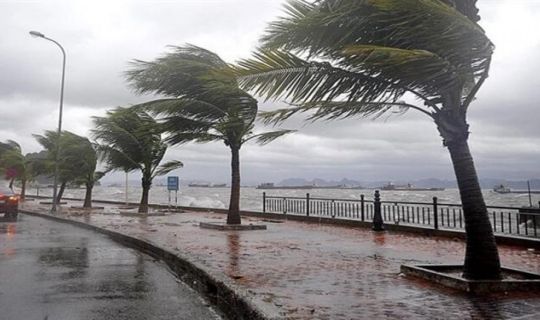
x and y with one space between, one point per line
487 183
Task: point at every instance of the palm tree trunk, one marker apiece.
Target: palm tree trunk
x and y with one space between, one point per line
233 217
61 192
481 256
146 184
88 196
23 189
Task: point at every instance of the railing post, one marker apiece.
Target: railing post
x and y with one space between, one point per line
264 202
435 214
377 217
307 204
362 205
284 205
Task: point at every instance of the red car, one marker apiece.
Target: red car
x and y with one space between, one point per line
9 203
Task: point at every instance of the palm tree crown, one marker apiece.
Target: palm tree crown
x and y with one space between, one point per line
203 104
16 165
77 159
130 139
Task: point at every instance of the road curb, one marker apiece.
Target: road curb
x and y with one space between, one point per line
233 301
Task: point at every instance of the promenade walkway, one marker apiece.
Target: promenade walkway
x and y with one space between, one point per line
311 271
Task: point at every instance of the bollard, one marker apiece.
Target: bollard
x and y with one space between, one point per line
377 217
435 214
362 203
307 204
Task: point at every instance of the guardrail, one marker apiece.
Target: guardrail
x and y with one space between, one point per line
504 220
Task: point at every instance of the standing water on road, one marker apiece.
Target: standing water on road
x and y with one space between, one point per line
51 270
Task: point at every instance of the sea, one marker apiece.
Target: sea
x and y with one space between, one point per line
251 197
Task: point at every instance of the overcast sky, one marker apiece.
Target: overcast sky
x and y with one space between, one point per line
101 37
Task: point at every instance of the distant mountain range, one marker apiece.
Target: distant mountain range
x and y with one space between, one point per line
421 183
487 183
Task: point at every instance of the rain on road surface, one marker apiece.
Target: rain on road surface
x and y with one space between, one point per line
50 270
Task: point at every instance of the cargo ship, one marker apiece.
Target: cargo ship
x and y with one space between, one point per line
207 185
269 185
408 187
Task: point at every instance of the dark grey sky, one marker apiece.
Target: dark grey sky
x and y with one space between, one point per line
100 37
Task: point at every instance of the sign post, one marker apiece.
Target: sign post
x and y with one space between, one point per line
173 184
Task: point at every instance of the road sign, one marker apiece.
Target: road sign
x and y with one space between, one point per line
172 183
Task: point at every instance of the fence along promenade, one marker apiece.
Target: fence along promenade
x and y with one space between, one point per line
516 221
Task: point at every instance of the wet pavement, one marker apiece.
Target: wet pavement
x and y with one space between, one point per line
51 270
311 271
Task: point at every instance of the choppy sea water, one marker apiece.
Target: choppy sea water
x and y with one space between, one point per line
251 198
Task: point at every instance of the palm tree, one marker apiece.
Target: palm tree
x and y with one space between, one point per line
83 154
16 165
343 58
205 104
77 161
130 139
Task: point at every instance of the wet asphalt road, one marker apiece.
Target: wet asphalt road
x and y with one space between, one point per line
50 270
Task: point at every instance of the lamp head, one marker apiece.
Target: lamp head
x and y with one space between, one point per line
37 34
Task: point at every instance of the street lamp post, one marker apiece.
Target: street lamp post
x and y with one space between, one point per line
55 185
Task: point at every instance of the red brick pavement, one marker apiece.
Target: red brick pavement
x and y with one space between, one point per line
311 271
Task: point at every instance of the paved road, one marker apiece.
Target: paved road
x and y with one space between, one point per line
50 270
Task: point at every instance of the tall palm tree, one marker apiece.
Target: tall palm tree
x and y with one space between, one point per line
343 58
130 139
16 165
83 154
205 104
77 161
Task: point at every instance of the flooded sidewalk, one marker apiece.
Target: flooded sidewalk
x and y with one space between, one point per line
312 271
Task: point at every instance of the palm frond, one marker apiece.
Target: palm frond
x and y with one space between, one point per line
116 159
267 137
184 72
168 167
182 137
333 110
276 74
202 110
418 69
325 27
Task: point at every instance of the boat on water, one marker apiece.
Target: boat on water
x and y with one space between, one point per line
505 190
221 185
269 185
502 189
409 187
199 185
207 185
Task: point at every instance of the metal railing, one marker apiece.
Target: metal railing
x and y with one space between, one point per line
435 215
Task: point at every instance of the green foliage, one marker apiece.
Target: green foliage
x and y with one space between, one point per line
206 103
367 54
130 139
77 160
12 158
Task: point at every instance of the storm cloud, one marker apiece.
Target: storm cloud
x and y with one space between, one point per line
102 37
